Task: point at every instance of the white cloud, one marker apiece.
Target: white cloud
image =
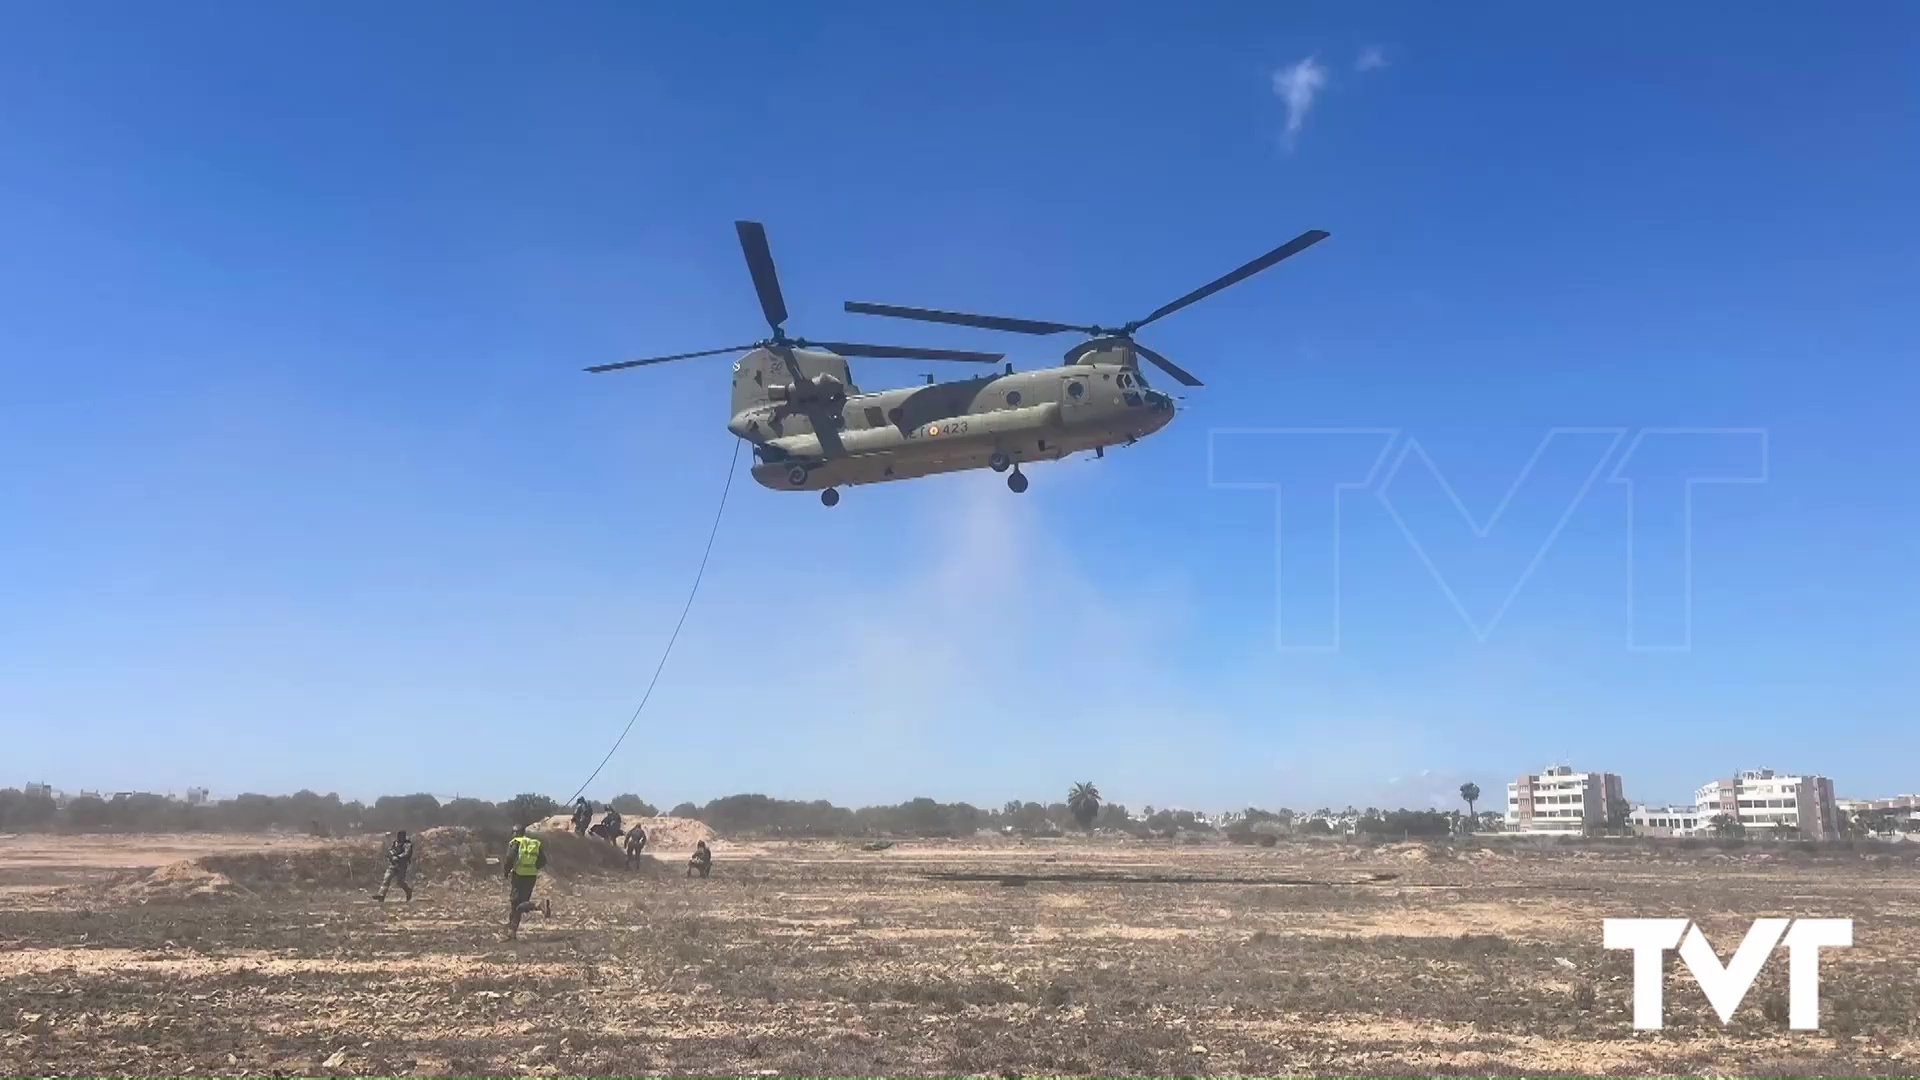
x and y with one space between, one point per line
1297 85
1371 58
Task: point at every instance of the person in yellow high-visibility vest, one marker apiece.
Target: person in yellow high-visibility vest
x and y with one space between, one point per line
525 860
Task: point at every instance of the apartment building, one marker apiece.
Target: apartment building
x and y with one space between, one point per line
1558 800
1770 803
1904 809
1665 820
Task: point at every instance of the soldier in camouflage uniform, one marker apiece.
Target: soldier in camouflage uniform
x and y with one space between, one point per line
399 861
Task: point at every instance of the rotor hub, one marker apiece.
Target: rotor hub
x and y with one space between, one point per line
773 305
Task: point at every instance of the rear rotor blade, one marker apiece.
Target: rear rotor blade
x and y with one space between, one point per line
753 244
960 318
1167 365
1292 247
664 359
907 352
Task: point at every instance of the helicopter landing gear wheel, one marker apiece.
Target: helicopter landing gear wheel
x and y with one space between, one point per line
829 497
1017 483
999 461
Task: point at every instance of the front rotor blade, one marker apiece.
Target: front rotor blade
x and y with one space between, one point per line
960 318
753 244
1167 365
664 359
1292 247
907 352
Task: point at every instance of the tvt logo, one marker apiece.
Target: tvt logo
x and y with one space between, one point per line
1726 986
1315 476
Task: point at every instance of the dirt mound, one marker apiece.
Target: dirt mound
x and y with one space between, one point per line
455 849
181 882
675 832
448 849
564 822
357 863
444 854
666 832
569 855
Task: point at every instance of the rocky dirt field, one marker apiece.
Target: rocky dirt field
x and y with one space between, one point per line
992 958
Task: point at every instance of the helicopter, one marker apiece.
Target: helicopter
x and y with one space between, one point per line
813 429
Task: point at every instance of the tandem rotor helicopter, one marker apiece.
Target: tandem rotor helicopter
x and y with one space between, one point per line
812 429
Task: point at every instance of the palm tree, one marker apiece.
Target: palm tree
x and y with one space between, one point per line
1083 801
1470 793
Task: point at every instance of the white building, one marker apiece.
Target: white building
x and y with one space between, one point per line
1561 801
1767 803
1684 820
1903 809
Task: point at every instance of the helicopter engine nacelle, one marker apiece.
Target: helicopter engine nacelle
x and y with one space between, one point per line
821 387
825 385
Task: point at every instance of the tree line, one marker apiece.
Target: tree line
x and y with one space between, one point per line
328 814
1083 808
307 811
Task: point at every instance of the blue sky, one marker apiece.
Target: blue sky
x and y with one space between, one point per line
306 487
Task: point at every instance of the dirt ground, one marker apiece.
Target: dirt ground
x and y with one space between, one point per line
930 958
33 861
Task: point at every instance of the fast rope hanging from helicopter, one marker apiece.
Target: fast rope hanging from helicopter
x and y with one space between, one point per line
732 467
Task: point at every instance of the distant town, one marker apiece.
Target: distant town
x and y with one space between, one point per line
1754 803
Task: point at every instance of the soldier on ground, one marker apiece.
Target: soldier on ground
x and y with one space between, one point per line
399 861
582 816
636 843
702 859
525 860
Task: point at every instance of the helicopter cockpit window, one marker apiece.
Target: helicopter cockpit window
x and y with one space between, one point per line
1125 380
1013 398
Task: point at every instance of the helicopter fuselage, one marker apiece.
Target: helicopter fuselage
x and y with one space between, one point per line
812 429
812 439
